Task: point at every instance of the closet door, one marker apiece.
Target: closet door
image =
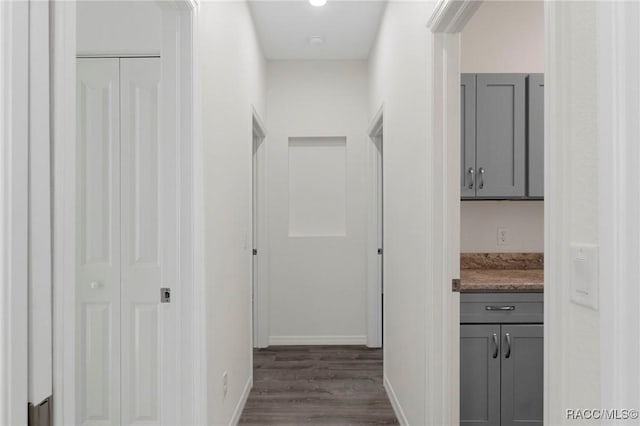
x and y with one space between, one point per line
98 243
149 244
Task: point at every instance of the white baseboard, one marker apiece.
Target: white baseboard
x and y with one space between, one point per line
317 340
237 412
395 403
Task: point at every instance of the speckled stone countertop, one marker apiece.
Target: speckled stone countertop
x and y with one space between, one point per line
501 272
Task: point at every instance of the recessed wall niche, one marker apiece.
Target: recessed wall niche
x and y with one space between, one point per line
317 186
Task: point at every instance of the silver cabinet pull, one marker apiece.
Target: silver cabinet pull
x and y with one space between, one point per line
507 337
481 184
499 308
495 346
473 178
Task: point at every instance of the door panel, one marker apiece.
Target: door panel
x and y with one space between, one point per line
480 374
127 246
500 137
522 375
148 219
468 135
98 252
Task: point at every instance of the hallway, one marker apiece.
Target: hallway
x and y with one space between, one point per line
321 385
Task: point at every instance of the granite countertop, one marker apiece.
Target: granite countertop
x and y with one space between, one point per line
501 272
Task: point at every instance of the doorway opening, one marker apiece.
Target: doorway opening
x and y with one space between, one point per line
501 174
375 246
259 236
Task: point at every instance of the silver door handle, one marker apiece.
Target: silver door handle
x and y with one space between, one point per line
473 177
495 345
507 337
481 184
499 308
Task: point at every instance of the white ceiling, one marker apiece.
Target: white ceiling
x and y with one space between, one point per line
349 28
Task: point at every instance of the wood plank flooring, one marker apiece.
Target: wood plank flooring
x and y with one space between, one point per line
318 385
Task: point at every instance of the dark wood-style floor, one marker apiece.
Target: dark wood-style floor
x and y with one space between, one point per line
319 385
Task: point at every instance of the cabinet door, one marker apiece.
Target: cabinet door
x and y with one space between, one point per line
467 135
522 374
480 374
500 135
536 136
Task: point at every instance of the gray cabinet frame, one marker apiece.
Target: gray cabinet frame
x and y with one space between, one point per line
468 135
535 145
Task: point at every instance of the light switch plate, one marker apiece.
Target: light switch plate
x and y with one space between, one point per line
584 275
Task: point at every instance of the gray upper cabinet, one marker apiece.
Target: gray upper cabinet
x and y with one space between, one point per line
536 136
522 378
500 135
480 374
468 135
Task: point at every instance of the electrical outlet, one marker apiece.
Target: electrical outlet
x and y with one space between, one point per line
225 383
504 238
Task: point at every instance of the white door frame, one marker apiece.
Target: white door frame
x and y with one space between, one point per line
180 53
260 265
14 214
619 203
443 327
374 278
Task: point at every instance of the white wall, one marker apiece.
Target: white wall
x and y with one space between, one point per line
118 27
398 78
480 220
233 78
503 37
572 332
317 281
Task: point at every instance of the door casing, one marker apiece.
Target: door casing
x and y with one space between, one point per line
375 268
179 61
260 236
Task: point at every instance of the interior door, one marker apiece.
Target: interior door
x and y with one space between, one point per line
148 248
380 223
127 248
254 233
98 244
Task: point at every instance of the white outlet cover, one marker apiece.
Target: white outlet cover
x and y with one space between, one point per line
507 237
584 275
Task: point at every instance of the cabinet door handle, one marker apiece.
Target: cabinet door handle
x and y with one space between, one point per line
507 337
481 183
495 345
499 308
473 177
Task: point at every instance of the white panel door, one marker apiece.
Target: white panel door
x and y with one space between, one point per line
98 245
127 247
149 249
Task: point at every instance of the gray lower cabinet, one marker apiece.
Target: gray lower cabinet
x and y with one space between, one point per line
501 360
522 374
480 374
